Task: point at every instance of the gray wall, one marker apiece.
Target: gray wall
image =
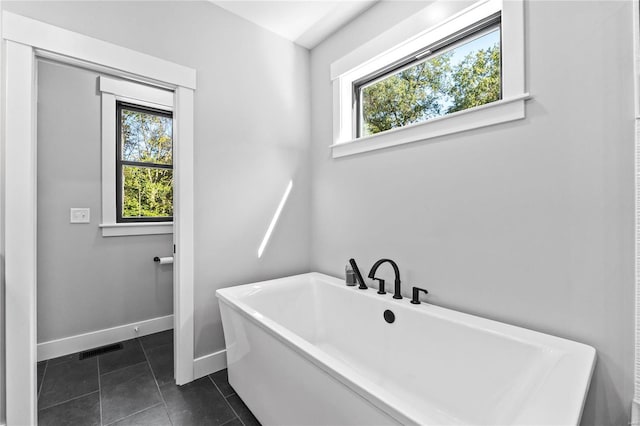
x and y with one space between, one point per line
251 134
530 222
86 282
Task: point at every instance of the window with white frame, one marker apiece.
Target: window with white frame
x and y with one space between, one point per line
465 71
137 159
144 164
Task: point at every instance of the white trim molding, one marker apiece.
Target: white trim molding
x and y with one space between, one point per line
94 339
25 39
2 228
20 234
183 237
49 38
209 364
134 92
497 112
124 229
635 16
127 91
409 37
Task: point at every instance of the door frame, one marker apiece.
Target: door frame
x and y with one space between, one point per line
23 41
635 403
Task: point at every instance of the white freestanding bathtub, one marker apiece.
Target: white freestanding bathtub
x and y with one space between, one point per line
307 349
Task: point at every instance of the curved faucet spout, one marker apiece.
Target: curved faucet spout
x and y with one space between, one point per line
374 268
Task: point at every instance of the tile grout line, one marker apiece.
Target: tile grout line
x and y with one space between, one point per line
133 414
99 387
121 368
68 400
166 408
44 373
124 368
225 400
229 421
218 387
68 358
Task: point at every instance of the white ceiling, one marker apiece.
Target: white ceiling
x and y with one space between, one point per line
304 22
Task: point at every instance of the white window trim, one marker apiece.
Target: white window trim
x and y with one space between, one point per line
376 54
121 90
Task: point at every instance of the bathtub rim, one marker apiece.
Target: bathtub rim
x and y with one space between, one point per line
573 356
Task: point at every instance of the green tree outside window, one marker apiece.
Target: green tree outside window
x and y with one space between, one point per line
147 159
461 78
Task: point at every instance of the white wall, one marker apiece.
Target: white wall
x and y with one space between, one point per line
530 222
86 282
251 134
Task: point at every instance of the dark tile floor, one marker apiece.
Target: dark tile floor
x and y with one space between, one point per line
134 386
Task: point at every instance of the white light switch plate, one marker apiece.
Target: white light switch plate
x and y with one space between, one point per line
80 215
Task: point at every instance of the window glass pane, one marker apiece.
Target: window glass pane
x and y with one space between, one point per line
465 76
147 192
146 137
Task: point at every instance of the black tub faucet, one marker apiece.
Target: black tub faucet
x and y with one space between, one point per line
356 271
374 268
416 295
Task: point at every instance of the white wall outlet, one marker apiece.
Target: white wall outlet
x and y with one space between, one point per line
81 215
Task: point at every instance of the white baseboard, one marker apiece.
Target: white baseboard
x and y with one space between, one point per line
209 364
94 339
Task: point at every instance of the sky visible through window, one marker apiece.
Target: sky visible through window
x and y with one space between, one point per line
462 77
483 42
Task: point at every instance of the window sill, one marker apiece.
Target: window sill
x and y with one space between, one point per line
501 111
124 229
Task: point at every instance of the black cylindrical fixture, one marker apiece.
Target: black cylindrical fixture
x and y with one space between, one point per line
396 292
362 285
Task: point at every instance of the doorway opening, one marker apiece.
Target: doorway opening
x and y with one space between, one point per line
25 42
104 306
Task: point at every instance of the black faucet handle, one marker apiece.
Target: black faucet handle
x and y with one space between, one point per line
380 286
356 270
416 295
